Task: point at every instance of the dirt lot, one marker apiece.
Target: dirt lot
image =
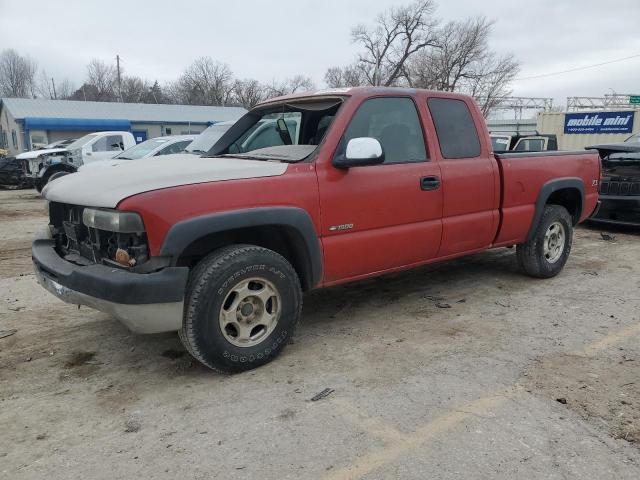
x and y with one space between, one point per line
459 370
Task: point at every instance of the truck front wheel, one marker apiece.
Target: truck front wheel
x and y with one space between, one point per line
544 255
241 308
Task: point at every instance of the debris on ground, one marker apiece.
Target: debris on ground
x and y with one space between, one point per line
502 304
323 394
7 333
443 305
607 237
132 426
561 400
433 298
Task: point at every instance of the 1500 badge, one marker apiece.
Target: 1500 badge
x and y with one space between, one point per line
344 226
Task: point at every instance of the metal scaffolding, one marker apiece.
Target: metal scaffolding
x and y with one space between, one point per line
610 100
518 104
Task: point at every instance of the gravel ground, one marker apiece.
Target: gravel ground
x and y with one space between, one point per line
460 370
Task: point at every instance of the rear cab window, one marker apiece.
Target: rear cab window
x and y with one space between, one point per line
455 128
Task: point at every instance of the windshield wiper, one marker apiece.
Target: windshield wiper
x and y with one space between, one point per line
195 151
244 156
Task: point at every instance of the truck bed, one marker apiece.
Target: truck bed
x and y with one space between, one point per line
524 176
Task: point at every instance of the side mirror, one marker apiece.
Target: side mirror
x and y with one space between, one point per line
360 152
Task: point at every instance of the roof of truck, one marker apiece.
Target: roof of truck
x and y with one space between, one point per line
354 91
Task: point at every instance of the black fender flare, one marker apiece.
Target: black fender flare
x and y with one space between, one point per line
183 233
547 190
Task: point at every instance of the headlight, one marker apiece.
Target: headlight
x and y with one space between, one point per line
113 220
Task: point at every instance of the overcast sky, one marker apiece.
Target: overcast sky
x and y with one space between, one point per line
276 39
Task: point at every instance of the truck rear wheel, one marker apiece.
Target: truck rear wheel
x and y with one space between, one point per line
545 254
241 308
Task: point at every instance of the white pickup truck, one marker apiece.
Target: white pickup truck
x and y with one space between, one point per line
41 166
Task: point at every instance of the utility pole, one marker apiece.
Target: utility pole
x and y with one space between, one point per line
53 84
119 79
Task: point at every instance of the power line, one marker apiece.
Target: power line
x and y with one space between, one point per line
578 68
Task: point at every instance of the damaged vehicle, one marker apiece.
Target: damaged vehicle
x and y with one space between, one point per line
304 191
12 168
12 173
43 166
620 185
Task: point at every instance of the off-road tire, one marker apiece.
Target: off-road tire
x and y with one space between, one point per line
209 285
531 254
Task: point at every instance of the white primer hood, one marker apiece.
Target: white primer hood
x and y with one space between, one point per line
106 187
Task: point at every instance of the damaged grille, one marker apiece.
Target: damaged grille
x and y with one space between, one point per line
619 188
82 245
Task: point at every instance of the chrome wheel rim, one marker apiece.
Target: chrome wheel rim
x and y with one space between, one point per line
554 240
250 312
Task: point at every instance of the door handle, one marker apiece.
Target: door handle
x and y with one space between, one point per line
430 183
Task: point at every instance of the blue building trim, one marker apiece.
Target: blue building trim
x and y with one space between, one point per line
46 123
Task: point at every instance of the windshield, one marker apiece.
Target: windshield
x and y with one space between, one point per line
208 138
500 144
79 143
633 138
286 132
141 149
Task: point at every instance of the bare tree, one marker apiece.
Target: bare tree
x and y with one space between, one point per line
43 87
17 75
491 84
349 76
133 89
65 89
462 61
397 34
247 93
296 84
104 78
204 82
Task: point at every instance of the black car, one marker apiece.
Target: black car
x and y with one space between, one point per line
620 184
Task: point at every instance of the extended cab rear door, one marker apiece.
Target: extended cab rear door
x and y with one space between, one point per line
387 216
470 176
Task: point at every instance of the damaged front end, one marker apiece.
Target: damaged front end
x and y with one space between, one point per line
39 169
86 236
100 258
12 173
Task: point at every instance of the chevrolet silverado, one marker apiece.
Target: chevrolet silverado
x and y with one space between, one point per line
304 191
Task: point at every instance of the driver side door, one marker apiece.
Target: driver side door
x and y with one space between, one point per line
381 217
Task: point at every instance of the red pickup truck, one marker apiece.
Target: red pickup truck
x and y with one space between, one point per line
304 191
